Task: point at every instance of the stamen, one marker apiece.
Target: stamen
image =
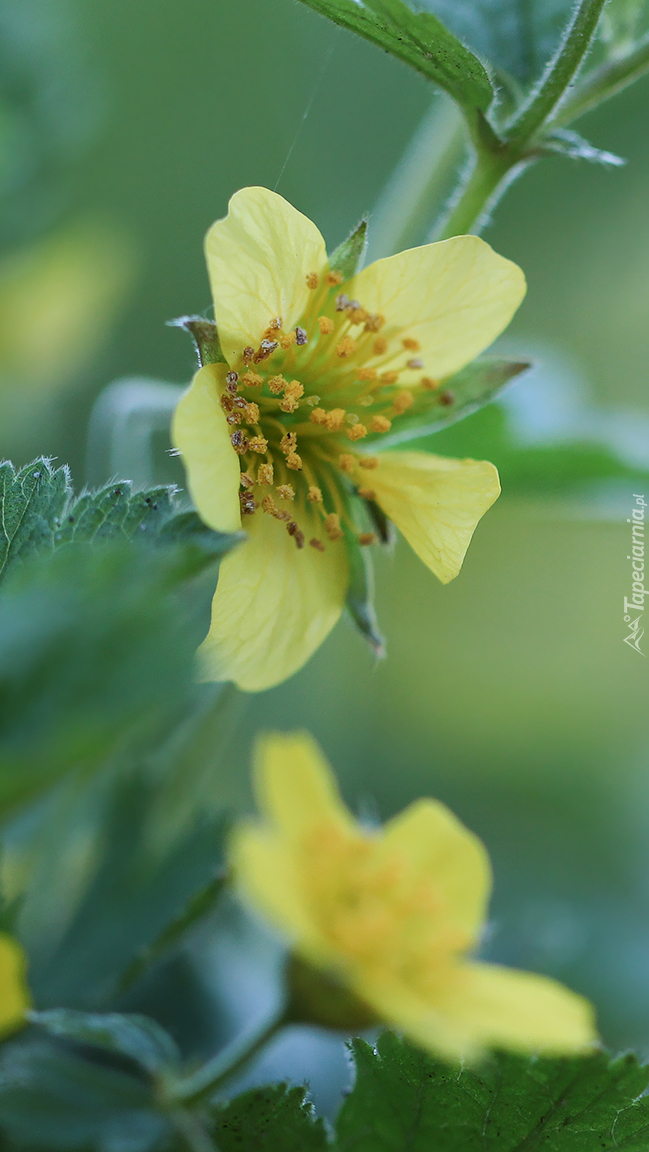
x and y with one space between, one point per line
227 403
265 474
403 400
315 543
367 374
429 384
252 413
312 280
358 315
318 416
351 418
246 480
277 384
233 418
375 322
325 325
312 401
294 461
301 336
369 462
341 302
294 390
357 432
251 380
366 538
258 444
239 442
286 491
286 341
269 506
367 493
289 404
266 349
288 443
380 346
314 495
232 377
333 278
347 463
248 354
332 526
248 503
410 344
294 531
345 347
334 419
415 363
366 401
446 398
379 424
389 377
275 324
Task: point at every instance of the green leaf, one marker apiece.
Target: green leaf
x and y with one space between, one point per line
205 335
51 1097
565 142
274 1119
115 512
133 1036
458 396
32 501
348 256
404 1099
418 38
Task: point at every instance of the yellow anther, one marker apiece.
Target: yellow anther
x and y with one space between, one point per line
246 480
369 462
325 325
312 401
312 280
275 324
317 544
294 389
375 322
286 491
286 340
366 538
333 278
332 526
345 347
429 384
380 424
318 416
410 344
247 355
258 444
265 474
251 413
357 432
314 494
389 377
277 384
334 419
403 400
367 374
366 401
252 380
288 443
358 315
347 463
294 461
380 346
367 493
289 404
269 506
296 532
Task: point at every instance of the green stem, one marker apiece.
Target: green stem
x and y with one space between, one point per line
202 1084
559 73
604 82
487 180
193 1133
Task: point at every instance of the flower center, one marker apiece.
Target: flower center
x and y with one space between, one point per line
301 400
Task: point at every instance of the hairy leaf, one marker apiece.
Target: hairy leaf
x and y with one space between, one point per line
418 38
274 1119
133 1036
404 1099
565 142
32 502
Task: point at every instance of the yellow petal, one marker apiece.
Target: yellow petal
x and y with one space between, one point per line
454 297
202 435
274 604
295 785
269 879
15 1000
436 503
442 850
477 1006
258 258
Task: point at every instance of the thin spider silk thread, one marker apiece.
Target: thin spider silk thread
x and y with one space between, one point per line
316 88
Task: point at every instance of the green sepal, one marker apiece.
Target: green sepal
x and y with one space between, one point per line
348 256
317 997
134 1036
419 39
205 335
565 142
458 396
360 594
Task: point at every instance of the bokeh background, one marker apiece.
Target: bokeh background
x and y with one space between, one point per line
510 694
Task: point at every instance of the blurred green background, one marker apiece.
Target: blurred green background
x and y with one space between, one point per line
509 694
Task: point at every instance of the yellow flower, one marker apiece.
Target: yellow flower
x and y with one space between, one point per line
314 367
392 915
15 1000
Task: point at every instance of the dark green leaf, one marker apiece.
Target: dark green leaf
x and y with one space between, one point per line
135 1037
32 501
205 335
116 512
275 1119
404 1099
565 142
419 39
202 545
348 256
51 1097
460 395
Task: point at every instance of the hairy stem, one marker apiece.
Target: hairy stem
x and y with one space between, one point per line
203 1083
477 195
604 82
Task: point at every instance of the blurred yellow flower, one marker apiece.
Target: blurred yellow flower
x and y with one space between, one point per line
276 435
15 1000
393 914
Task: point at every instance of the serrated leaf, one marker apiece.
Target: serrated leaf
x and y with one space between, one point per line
32 501
202 545
565 142
419 39
348 256
274 1119
405 1099
136 1037
460 395
116 512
